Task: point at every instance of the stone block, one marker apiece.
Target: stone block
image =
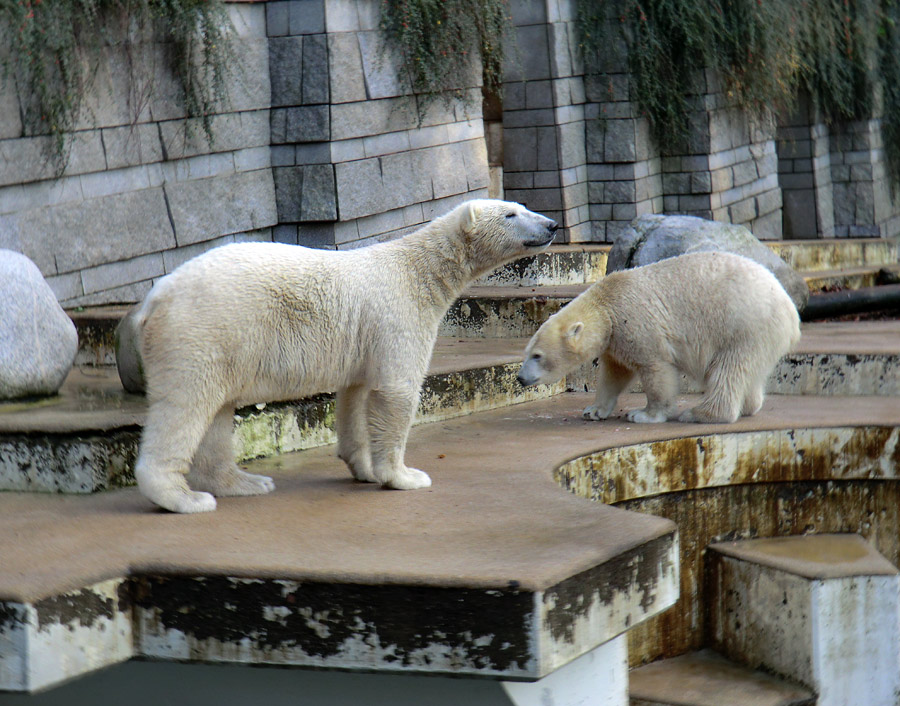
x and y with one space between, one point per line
318 202
800 214
313 153
701 183
519 149
86 233
367 118
283 156
118 274
285 233
315 69
359 187
308 123
249 87
475 159
208 208
676 183
406 179
341 16
743 211
768 227
379 62
278 18
345 72
619 192
526 12
796 181
619 141
768 201
693 203
252 158
286 70
131 145
535 62
745 172
115 181
347 150
307 16
821 609
288 183
624 211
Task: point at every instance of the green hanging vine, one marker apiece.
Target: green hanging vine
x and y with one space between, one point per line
53 48
439 39
843 52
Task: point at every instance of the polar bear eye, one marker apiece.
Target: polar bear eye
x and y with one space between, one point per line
536 356
512 214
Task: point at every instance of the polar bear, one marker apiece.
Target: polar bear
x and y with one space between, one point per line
258 322
718 318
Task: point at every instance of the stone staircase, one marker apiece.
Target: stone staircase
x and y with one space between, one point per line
821 457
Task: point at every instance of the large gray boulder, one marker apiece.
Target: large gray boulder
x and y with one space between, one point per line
652 238
38 341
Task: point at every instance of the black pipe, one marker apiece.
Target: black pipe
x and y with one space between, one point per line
851 301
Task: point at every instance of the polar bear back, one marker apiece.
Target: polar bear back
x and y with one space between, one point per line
684 310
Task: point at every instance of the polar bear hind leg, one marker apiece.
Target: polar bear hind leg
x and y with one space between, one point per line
214 469
753 401
351 422
726 390
171 436
390 415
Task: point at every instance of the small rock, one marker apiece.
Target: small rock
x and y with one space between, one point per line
38 340
652 238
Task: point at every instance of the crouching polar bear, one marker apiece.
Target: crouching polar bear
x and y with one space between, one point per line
718 318
259 322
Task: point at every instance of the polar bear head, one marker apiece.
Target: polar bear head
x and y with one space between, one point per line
575 335
495 232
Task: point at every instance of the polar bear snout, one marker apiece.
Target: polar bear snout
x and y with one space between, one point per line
545 238
530 373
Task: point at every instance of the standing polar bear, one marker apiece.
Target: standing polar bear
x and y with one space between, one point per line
716 317
259 322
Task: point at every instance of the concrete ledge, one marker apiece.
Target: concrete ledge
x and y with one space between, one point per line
468 577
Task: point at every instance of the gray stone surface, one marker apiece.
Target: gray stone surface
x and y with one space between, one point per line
38 342
207 208
285 70
652 238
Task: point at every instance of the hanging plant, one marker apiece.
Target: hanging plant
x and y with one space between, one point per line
842 51
53 49
438 40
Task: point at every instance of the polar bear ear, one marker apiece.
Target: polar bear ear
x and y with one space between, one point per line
574 332
470 215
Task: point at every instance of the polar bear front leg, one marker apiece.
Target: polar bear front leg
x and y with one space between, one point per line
391 413
214 469
352 426
660 382
612 378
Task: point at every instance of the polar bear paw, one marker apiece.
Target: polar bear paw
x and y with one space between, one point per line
641 416
184 502
232 482
408 479
598 412
361 471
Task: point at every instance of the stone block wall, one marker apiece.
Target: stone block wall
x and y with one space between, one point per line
544 149
143 191
861 190
356 157
804 172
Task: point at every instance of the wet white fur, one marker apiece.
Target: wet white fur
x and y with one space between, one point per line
260 322
718 318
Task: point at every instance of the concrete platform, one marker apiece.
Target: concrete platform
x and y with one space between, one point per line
86 438
494 571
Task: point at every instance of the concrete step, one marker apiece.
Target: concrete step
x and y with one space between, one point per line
574 264
86 438
823 610
707 679
509 311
